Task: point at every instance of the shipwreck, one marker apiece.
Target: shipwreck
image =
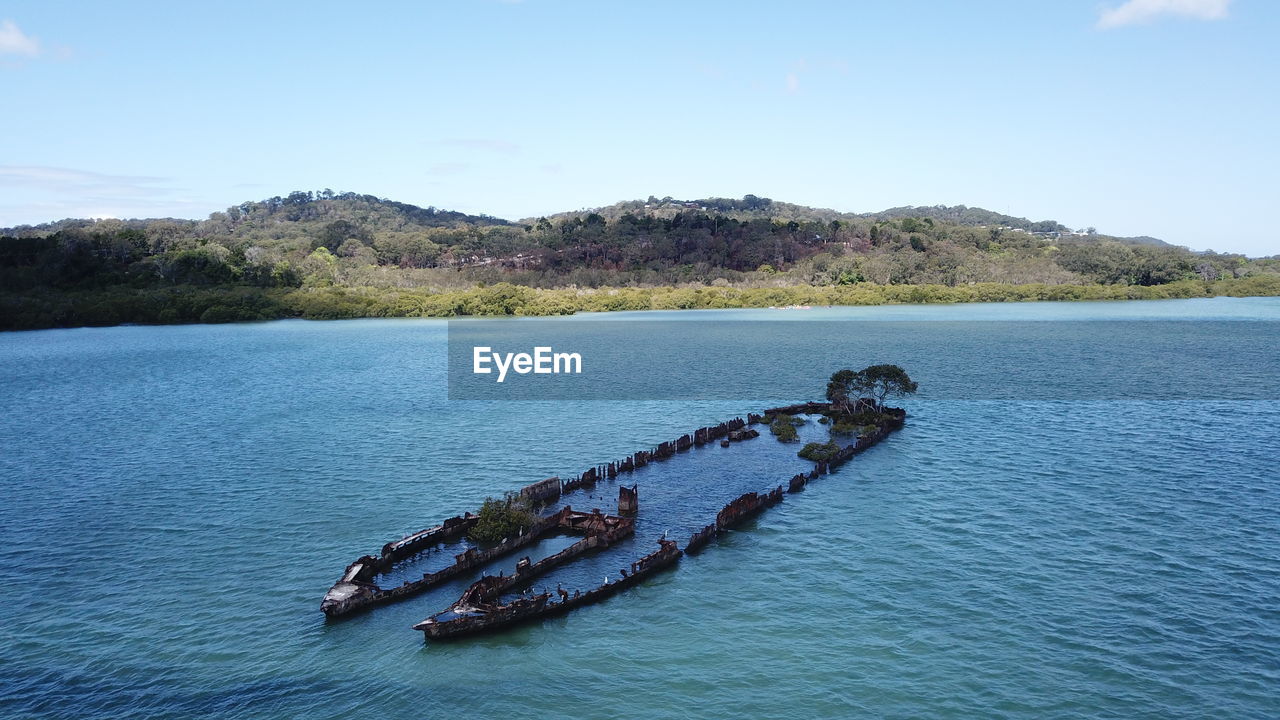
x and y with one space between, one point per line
494 602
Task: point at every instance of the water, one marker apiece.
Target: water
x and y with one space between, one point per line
175 501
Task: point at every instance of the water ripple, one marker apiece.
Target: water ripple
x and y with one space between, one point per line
175 501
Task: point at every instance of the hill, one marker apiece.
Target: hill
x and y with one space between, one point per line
319 240
753 207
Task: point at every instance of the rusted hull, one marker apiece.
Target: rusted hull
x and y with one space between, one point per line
356 590
475 613
349 596
542 606
589 477
699 539
747 506
478 610
488 589
751 504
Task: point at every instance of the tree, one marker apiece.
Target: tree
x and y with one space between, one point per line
882 382
879 382
500 519
839 387
333 235
320 267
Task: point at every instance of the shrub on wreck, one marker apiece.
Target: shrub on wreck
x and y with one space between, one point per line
845 427
818 452
501 519
784 427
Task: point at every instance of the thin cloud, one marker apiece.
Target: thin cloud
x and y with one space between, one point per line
15 42
81 183
17 214
822 71
491 144
32 194
448 169
711 70
1137 12
791 81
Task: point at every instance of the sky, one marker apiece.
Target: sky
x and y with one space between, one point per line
1137 117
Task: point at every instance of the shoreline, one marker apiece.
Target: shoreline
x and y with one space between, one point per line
189 305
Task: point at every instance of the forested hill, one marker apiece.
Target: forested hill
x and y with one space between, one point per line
752 207
327 239
301 210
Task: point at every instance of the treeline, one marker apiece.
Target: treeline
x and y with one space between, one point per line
753 207
314 240
194 304
268 258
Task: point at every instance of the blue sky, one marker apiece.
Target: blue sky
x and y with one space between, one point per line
1150 117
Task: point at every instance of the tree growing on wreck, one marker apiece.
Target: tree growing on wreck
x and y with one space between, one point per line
500 519
878 382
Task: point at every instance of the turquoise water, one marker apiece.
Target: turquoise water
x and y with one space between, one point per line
176 500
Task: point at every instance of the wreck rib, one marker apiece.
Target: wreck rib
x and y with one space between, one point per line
459 621
478 610
755 503
356 590
352 594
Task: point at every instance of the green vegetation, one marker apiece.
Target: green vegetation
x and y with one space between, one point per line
847 427
329 255
784 433
877 383
46 307
858 398
818 452
501 519
784 427
854 429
